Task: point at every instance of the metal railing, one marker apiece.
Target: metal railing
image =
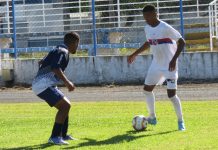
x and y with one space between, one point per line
213 22
112 24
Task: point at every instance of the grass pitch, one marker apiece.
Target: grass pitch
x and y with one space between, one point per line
107 125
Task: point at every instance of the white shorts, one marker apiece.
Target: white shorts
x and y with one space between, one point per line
157 77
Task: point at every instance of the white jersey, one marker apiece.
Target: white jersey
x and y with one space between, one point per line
162 40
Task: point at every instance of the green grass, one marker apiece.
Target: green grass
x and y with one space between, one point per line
107 125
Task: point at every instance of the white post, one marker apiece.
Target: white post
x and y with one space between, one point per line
43 11
118 12
212 20
80 12
215 19
198 8
158 8
210 24
8 16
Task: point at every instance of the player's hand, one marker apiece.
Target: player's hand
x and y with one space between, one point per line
70 86
172 65
131 58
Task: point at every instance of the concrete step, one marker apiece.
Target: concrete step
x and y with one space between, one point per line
198 41
196 36
197 25
198 49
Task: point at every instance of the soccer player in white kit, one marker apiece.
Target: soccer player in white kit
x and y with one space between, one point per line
166 44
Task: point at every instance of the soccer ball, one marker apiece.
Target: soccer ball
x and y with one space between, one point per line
139 122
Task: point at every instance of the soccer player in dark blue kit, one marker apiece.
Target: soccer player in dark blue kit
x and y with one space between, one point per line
51 73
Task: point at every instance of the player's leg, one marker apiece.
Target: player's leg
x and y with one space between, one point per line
55 98
152 79
150 101
171 91
65 129
176 103
61 118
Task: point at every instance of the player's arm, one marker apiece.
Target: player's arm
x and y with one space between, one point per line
57 60
145 46
180 47
59 73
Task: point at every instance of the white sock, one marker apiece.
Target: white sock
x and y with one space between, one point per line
177 106
150 100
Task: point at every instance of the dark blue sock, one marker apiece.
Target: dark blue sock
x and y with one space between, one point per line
65 127
56 129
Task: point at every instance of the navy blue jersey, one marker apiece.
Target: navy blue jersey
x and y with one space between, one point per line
57 58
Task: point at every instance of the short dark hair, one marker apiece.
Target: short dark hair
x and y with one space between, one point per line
149 8
71 37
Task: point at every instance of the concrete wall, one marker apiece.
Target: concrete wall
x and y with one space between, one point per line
114 69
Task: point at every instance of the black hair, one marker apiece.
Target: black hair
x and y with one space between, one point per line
149 8
71 37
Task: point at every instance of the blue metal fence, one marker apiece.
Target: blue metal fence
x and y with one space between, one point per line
37 26
14 29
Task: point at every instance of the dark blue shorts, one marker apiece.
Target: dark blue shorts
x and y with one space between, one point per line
51 95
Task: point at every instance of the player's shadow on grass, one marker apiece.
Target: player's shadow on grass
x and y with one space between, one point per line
32 147
127 137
